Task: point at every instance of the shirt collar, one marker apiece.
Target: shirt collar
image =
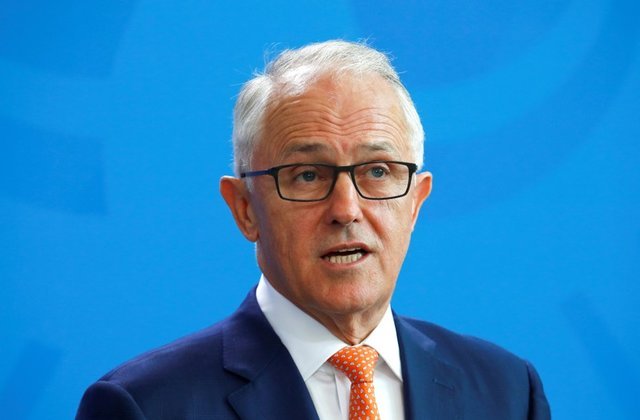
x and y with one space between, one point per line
310 343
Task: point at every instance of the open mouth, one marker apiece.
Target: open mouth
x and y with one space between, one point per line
345 256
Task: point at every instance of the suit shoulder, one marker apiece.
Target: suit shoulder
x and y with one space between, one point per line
461 348
166 382
191 356
492 379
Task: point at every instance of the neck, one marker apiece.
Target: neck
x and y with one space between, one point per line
352 328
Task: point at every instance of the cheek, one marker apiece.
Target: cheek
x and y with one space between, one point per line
394 226
288 233
395 217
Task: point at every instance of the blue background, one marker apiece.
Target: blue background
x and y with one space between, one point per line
115 120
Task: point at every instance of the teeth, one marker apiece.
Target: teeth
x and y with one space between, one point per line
345 259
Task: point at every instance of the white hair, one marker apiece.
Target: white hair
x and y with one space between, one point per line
295 70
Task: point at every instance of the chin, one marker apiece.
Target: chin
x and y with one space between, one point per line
356 299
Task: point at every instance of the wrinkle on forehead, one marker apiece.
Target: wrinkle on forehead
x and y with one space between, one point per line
327 113
377 128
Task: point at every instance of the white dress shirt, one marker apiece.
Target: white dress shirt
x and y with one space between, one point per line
311 344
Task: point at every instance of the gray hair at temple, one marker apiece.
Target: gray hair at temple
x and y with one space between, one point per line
294 70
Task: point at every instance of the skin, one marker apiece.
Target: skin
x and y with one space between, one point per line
338 121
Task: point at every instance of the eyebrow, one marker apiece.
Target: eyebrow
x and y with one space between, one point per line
379 146
304 148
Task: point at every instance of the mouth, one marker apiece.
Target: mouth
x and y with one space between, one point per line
345 255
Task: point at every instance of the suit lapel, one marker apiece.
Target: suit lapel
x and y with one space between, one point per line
252 350
431 386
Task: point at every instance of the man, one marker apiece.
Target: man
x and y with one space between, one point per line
327 147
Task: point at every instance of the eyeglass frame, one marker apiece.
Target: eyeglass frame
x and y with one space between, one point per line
337 169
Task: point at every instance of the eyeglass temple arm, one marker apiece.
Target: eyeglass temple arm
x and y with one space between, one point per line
256 173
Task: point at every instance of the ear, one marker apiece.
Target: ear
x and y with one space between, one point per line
420 194
235 194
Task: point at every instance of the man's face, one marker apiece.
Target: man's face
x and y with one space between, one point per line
338 122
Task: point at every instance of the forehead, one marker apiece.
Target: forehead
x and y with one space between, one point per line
343 114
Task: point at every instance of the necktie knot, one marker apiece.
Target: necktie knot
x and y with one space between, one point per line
357 363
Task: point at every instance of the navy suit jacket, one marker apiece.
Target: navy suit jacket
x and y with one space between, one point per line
239 369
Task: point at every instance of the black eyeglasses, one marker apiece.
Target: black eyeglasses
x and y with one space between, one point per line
377 180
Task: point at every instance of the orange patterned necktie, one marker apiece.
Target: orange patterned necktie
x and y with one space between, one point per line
358 364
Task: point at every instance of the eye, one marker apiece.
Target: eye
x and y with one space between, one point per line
377 172
307 176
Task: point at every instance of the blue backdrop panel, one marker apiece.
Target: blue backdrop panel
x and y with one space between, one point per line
115 119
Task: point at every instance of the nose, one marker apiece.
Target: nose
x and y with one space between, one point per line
344 202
